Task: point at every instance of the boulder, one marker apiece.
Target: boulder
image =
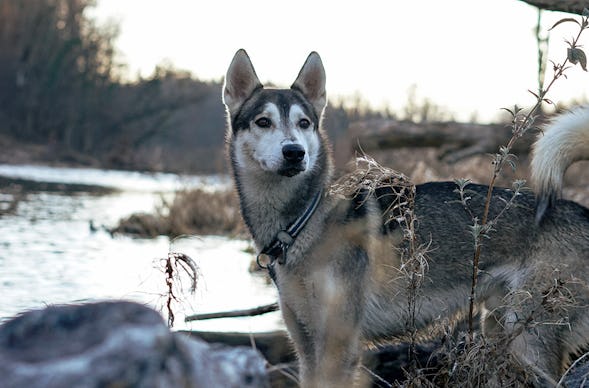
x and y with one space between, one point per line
116 344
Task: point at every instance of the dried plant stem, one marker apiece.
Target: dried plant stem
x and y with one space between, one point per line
519 127
371 177
171 297
174 261
542 47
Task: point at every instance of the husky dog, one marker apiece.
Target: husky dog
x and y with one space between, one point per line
336 261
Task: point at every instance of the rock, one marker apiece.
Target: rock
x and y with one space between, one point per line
122 344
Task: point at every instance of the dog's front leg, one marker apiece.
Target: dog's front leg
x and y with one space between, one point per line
302 340
337 303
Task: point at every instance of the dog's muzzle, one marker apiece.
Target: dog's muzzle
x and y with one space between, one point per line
294 160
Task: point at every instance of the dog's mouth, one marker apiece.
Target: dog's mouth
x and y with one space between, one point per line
291 171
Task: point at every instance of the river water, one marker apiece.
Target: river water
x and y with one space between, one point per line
53 249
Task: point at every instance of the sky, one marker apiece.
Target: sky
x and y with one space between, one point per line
471 57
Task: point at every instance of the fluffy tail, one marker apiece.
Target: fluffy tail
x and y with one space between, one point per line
565 140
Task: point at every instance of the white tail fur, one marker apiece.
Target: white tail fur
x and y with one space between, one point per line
564 141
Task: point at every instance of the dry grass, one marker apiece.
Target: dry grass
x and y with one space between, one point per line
202 212
398 193
369 176
483 360
479 362
191 212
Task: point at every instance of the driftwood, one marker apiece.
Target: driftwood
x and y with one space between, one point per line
457 140
235 313
571 6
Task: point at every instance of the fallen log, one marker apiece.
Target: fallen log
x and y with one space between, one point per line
457 140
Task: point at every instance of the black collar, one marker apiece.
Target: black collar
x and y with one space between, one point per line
277 249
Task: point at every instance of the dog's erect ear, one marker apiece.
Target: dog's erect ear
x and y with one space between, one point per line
311 82
240 82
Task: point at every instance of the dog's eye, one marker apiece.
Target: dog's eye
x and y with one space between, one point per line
263 122
304 123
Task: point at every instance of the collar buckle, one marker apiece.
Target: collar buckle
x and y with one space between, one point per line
278 248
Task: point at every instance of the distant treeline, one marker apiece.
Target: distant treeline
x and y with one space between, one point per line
61 85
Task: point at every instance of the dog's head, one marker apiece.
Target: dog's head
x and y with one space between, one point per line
275 130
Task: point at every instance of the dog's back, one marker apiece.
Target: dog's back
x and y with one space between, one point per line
533 271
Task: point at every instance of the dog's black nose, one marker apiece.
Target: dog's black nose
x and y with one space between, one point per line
293 153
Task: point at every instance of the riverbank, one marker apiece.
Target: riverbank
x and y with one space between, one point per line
13 151
17 152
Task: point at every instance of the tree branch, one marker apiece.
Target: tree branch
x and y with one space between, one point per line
571 6
234 314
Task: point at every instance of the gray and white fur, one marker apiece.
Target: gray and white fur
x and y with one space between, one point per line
340 286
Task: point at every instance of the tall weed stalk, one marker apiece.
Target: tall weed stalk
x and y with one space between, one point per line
521 122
